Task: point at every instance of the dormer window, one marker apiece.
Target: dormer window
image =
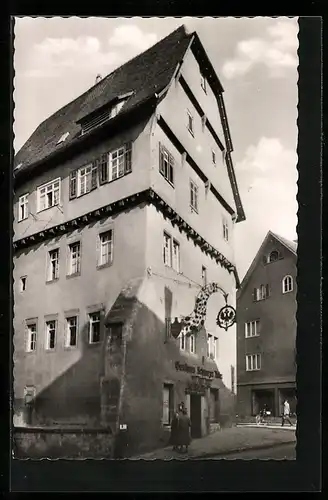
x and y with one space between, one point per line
63 138
104 114
274 255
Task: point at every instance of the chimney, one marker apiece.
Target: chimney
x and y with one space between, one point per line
98 78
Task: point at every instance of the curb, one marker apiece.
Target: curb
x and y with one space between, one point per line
240 450
223 453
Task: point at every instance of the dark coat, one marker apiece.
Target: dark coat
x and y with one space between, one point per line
184 430
174 429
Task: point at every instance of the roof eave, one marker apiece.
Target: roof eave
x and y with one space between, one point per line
79 140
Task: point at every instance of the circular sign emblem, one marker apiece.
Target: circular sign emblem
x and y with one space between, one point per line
226 317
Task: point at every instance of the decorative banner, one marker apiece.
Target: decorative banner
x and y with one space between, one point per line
226 317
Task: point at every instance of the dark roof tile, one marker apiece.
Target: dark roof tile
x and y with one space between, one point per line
144 75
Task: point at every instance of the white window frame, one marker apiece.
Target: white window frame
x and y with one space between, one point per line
167 388
94 317
175 255
48 188
167 249
117 163
214 157
252 328
182 341
212 346
31 337
203 82
287 280
190 121
74 261
192 343
253 362
21 286
107 259
50 264
225 227
68 333
193 196
51 325
23 207
84 173
215 347
208 345
171 257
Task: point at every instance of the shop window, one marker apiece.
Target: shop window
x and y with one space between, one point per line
167 403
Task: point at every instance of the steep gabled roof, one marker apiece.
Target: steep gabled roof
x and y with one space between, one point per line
147 75
144 75
290 245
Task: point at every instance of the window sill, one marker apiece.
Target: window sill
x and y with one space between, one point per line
73 275
103 266
22 220
90 344
252 336
48 282
30 352
48 208
50 350
70 347
167 180
167 266
83 194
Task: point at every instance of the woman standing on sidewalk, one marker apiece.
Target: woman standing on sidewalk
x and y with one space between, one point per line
175 429
184 431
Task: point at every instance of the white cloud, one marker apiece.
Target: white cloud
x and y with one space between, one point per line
132 37
58 56
54 56
277 51
267 177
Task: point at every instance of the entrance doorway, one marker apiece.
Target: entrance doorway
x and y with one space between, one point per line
196 415
263 398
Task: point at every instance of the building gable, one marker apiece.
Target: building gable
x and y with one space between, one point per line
271 243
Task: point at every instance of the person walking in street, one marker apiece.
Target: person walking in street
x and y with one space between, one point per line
184 431
175 430
286 414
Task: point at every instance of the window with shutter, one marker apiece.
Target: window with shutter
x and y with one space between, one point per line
161 159
102 165
166 164
267 291
128 158
94 171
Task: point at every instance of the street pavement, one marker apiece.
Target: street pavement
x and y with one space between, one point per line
282 452
229 441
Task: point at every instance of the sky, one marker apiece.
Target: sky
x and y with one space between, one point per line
57 59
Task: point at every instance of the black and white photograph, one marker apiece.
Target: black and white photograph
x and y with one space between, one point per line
155 238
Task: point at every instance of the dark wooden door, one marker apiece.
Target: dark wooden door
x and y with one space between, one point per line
196 415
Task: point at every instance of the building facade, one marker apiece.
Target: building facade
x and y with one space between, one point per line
125 206
266 329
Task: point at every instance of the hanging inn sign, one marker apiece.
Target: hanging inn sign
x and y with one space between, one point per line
191 324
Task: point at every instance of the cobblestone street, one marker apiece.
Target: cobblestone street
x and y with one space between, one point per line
229 441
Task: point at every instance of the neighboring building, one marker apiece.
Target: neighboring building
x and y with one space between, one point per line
125 205
266 329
